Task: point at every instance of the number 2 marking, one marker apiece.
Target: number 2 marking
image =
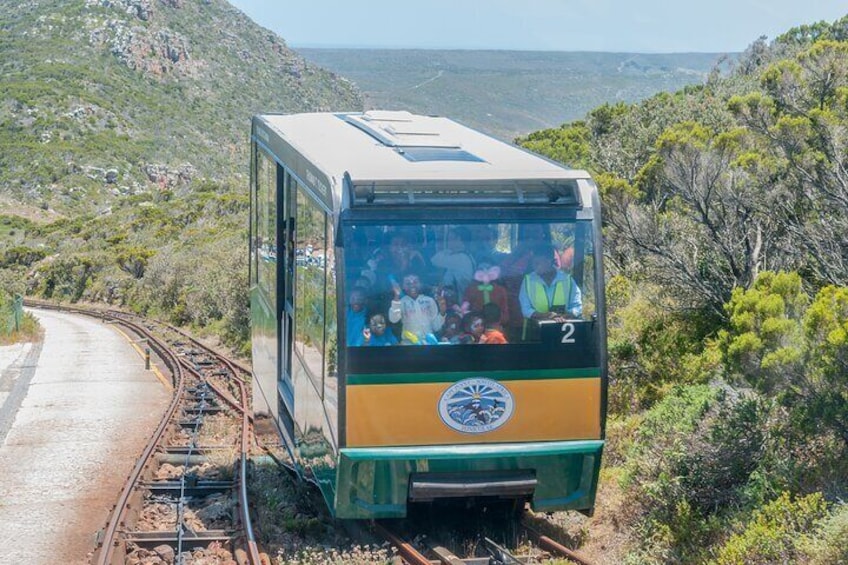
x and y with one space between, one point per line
567 332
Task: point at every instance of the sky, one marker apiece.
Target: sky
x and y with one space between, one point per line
641 26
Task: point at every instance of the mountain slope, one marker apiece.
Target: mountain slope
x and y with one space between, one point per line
124 159
109 97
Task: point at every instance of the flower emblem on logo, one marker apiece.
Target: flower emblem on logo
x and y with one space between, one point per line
476 405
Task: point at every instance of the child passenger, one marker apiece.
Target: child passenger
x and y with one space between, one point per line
422 316
494 331
375 334
488 289
473 327
355 316
452 327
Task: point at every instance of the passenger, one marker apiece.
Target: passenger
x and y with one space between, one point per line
402 256
457 263
483 247
355 316
356 254
531 236
449 294
547 293
422 316
566 259
515 266
376 334
364 283
452 327
488 290
493 335
473 328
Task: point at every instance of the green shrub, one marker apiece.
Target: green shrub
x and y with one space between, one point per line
21 255
68 277
764 341
652 346
828 543
688 465
773 534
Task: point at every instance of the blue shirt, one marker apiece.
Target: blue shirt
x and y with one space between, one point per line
355 325
388 338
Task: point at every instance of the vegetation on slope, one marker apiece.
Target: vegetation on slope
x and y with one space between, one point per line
124 163
725 213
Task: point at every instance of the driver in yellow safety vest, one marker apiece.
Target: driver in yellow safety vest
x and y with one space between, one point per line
547 293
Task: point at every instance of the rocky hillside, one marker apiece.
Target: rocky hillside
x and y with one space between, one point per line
124 150
106 98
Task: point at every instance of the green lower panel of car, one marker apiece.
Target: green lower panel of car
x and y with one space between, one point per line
374 482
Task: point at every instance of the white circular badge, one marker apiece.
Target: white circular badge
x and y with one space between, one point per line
476 406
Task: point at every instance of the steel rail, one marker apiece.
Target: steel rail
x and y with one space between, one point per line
105 557
252 548
555 547
407 552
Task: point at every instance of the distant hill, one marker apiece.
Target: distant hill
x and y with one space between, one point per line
103 98
509 93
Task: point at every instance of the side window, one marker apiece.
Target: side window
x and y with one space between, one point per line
310 274
330 320
331 345
266 223
254 219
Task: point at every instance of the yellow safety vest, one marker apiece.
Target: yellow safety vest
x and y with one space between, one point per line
539 297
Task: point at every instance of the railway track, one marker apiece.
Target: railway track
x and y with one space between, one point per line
420 549
186 498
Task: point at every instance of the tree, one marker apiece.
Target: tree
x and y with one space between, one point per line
781 344
133 260
708 226
800 120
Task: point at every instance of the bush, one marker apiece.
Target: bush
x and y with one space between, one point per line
68 277
21 255
690 461
828 543
652 346
764 342
773 534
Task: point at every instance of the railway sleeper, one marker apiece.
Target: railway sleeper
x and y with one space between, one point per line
189 540
194 489
194 457
192 423
208 409
198 450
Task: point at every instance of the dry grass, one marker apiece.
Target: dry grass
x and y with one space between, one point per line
30 331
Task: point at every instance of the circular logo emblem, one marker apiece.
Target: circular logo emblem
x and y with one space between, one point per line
476 406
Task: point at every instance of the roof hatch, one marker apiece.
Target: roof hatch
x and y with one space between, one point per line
401 129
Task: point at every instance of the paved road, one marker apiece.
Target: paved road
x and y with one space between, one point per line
75 412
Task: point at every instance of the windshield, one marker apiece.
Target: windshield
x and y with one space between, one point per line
466 283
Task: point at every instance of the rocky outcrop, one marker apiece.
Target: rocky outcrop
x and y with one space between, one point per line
142 45
158 53
141 9
166 177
